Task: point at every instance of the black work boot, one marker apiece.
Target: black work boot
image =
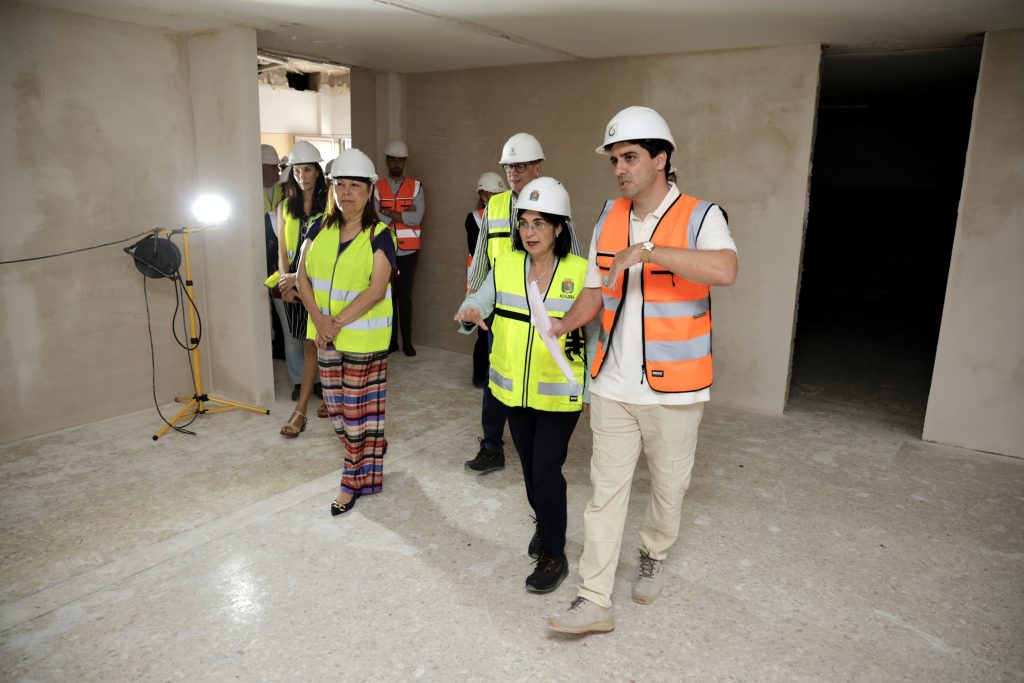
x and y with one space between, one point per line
548 574
534 548
486 461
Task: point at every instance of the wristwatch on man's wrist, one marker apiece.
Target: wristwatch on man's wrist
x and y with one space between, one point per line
645 251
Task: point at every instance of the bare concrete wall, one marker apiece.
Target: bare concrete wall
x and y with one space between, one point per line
743 121
977 389
100 133
287 111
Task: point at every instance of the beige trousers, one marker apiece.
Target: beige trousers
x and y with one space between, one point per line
668 435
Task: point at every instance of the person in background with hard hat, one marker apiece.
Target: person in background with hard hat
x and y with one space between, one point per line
273 192
489 184
303 208
654 256
345 284
522 158
401 204
543 403
284 344
330 204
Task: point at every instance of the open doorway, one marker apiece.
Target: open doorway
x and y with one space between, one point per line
889 153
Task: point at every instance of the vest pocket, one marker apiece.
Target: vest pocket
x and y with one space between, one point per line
501 373
665 273
554 392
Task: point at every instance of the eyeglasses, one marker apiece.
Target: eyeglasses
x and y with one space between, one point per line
518 168
537 225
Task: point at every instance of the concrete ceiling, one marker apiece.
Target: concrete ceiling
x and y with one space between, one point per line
440 35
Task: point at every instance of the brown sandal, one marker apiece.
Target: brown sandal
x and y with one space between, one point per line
322 411
295 425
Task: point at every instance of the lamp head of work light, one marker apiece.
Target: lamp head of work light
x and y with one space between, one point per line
211 209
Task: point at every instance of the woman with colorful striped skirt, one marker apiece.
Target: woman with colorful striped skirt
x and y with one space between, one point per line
345 284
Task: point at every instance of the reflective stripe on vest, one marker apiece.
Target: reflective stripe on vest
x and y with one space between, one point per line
348 295
676 312
337 280
523 373
499 222
408 235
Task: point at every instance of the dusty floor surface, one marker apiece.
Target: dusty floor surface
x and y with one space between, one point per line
827 544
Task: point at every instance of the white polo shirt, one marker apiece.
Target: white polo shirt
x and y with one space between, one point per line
622 377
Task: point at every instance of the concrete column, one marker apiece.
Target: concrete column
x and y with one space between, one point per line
390 112
364 110
228 263
978 383
325 108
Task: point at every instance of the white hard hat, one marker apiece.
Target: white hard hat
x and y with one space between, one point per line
397 149
269 155
544 194
304 153
491 182
352 163
520 148
327 168
636 123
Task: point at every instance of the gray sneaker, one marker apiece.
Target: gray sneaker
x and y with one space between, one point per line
648 581
583 616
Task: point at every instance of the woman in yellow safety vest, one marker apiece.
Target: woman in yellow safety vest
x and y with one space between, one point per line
544 401
345 284
301 210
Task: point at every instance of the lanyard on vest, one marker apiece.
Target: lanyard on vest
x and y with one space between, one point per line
306 223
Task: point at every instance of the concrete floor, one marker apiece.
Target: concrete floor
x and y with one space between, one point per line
828 544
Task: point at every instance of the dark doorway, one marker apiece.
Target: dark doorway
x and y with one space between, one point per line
889 155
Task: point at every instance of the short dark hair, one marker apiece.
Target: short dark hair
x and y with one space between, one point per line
293 193
370 217
654 147
563 240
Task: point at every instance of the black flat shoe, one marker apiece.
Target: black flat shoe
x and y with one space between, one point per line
340 509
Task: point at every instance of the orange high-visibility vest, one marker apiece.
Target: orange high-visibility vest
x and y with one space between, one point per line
479 216
408 235
676 311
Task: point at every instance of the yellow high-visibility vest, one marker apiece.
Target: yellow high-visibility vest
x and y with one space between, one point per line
291 228
338 279
270 204
523 374
499 225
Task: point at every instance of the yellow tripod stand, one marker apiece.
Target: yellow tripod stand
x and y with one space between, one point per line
197 403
